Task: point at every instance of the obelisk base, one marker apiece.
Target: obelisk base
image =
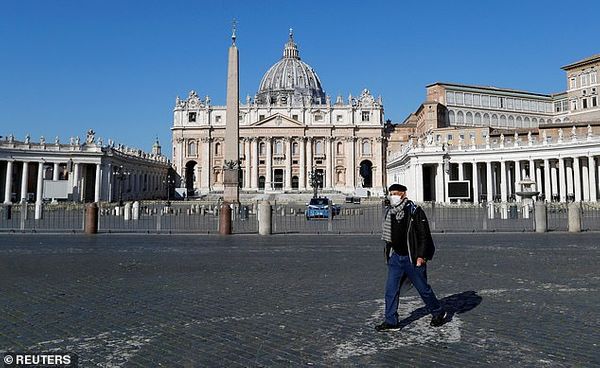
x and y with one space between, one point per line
231 190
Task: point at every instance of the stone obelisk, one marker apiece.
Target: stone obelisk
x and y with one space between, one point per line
232 127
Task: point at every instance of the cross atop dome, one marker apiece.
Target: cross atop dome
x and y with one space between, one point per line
291 50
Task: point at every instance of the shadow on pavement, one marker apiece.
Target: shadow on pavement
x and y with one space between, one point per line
453 304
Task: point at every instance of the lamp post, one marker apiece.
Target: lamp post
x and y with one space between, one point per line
446 167
121 174
316 181
169 182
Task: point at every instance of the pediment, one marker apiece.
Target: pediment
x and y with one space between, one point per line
277 121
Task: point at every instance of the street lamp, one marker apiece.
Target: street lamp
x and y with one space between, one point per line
316 181
121 174
169 182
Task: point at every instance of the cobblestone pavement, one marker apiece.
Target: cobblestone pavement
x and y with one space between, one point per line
206 301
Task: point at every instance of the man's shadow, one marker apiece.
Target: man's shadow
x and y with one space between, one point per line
453 304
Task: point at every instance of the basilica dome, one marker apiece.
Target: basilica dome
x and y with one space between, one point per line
290 81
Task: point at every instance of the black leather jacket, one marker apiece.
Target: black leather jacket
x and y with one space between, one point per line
420 242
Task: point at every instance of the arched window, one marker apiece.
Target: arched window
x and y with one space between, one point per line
278 147
477 118
451 117
494 120
519 122
469 117
366 147
262 149
511 121
191 148
340 148
217 149
486 119
319 148
460 118
534 121
503 120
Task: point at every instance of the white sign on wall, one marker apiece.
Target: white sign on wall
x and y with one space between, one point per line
56 189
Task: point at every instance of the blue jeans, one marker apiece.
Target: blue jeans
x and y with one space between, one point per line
398 266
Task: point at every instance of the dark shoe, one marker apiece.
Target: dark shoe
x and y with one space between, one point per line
387 327
439 320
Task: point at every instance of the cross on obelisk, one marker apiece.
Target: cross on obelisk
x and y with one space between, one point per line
232 126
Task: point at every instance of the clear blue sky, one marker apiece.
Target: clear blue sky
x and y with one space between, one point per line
117 66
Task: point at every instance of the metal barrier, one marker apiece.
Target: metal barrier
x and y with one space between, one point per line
590 219
558 216
59 217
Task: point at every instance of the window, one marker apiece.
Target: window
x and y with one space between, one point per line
295 117
494 101
460 118
192 148
449 97
477 118
584 103
459 98
449 138
365 116
469 118
217 118
468 99
557 106
192 117
340 148
573 105
339 118
217 149
525 105
584 80
494 120
565 105
573 83
593 77
503 120
262 149
318 117
477 100
261 117
510 103
278 147
366 147
485 100
319 148
438 137
295 150
519 104
594 102
501 102
462 137
451 117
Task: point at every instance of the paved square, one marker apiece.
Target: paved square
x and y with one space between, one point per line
196 301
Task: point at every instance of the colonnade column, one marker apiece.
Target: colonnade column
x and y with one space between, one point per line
554 178
517 179
206 153
38 191
503 195
446 180
592 178
24 180
488 181
569 172
302 176
577 179
561 179
76 179
532 170
418 183
309 160
585 179
439 183
547 181
8 187
288 163
475 183
538 179
98 182
269 176
247 158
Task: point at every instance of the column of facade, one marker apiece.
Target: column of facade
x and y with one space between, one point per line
488 179
585 180
110 182
254 167
418 182
247 160
206 167
302 176
562 180
475 182
40 183
350 163
592 175
461 172
577 179
269 162
76 179
309 160
547 181
97 186
288 163
24 179
329 162
8 186
378 179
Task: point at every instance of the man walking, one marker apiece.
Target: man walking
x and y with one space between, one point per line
408 247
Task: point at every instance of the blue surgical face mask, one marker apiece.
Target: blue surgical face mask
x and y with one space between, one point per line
395 200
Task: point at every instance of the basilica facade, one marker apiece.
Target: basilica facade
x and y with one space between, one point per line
289 131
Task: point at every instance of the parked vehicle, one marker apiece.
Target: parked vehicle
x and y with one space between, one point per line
319 208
